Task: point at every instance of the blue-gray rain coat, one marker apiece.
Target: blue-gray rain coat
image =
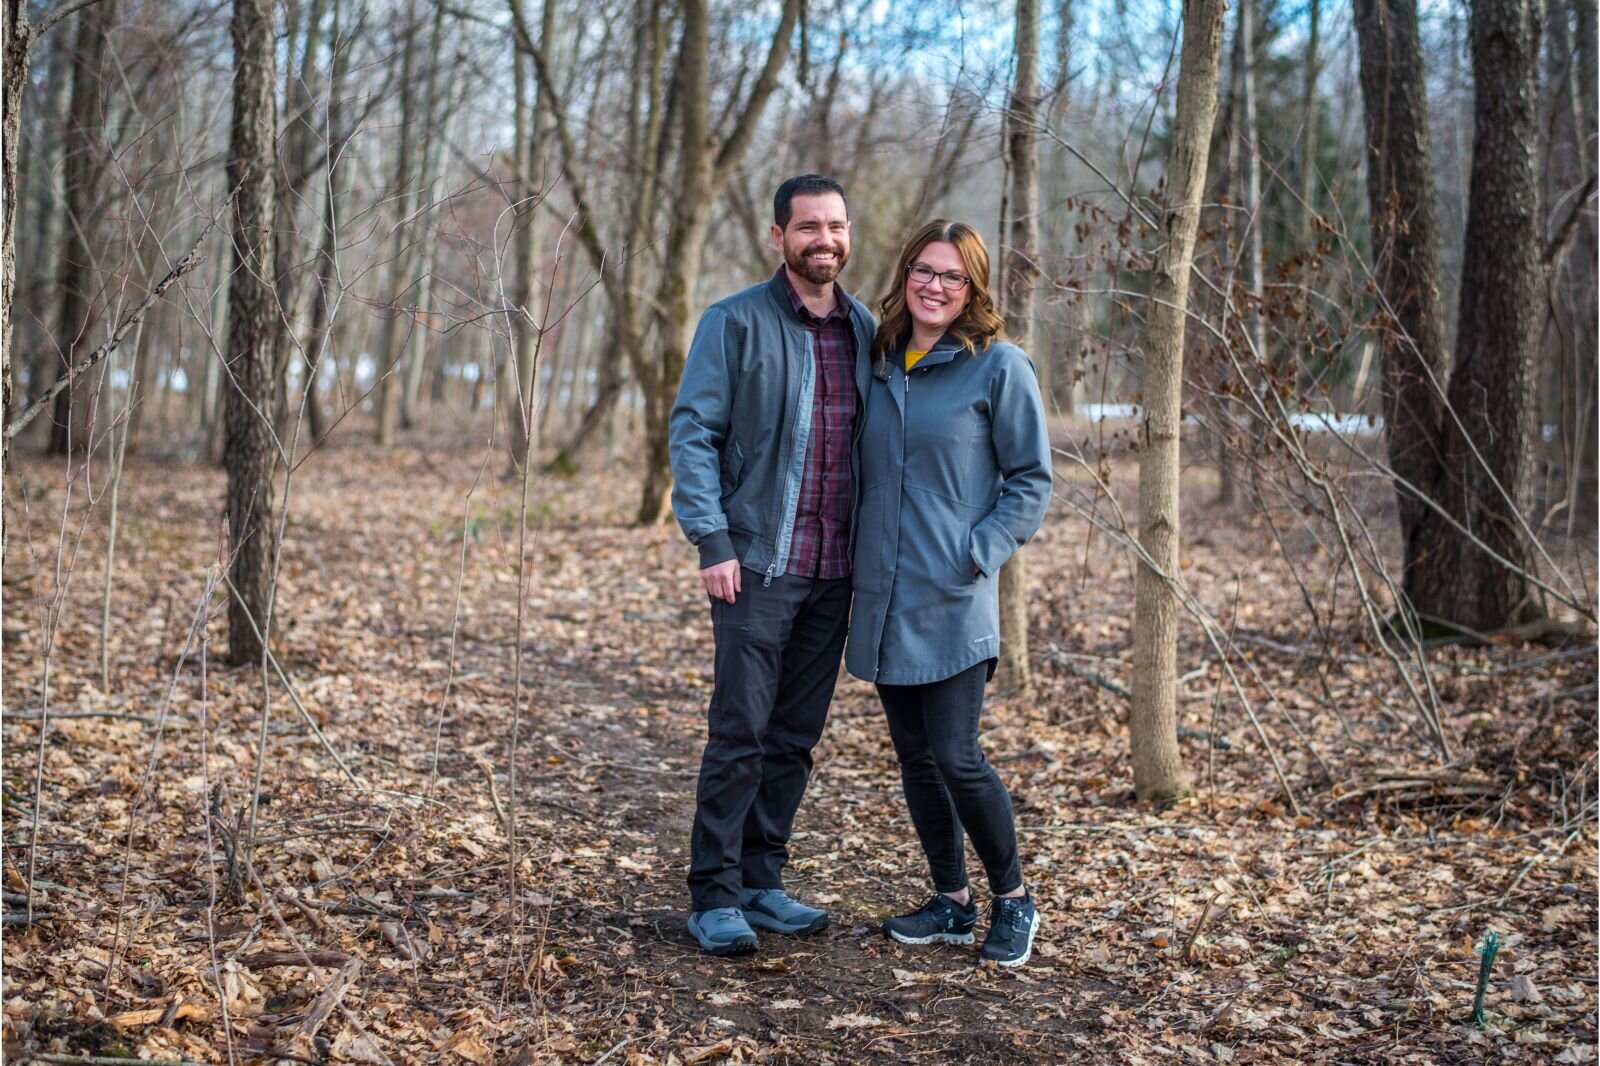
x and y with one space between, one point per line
955 475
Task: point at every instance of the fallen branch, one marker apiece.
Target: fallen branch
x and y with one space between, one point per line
261 960
330 997
111 1060
1440 783
116 716
1538 631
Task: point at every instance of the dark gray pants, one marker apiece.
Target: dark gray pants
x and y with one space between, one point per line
777 659
949 784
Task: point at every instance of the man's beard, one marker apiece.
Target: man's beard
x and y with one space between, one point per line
817 273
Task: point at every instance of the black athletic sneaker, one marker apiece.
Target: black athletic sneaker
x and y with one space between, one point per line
941 920
1012 923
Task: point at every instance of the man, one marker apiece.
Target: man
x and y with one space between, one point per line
762 444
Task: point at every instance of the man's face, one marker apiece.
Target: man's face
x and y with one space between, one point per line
816 243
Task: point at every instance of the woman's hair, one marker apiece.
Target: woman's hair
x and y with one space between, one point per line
978 323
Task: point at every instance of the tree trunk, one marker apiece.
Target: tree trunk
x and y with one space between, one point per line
1486 480
1405 254
391 348
300 159
36 341
16 47
701 181
438 117
337 171
248 452
77 277
532 133
1021 273
1152 720
626 334
1308 128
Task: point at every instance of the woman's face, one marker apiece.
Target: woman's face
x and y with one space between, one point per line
934 303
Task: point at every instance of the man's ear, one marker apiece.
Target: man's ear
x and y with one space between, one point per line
777 236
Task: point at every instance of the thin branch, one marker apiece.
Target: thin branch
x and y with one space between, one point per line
66 10
183 266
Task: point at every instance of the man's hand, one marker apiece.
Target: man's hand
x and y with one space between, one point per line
722 581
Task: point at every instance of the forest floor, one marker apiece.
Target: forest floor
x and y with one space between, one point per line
382 917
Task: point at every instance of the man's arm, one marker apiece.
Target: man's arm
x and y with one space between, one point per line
696 432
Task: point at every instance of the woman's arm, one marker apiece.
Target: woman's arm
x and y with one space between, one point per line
1021 442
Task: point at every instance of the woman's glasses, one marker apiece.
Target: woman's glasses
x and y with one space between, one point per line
923 274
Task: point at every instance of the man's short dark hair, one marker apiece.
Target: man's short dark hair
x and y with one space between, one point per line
802 185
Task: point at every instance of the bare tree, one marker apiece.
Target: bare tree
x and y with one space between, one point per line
1462 452
249 450
1152 718
1405 248
702 177
391 348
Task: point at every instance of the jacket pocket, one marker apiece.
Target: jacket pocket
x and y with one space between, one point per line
734 459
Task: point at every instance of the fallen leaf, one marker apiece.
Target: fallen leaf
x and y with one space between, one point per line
468 1046
130 1018
709 1052
1523 990
854 1021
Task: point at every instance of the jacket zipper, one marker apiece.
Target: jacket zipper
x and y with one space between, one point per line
770 570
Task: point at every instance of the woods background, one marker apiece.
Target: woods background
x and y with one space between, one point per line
353 674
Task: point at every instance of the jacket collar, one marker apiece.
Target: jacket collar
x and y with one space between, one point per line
944 351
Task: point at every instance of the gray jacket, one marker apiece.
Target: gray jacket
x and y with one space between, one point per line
738 431
955 469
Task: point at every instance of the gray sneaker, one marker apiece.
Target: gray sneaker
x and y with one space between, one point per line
775 910
723 931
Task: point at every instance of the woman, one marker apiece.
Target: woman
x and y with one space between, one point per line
955 469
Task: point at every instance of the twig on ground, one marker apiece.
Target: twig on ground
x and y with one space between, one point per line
1199 927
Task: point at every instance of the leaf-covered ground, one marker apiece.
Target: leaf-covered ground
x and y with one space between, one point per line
387 919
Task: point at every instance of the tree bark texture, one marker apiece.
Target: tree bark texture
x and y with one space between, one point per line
249 451
1158 772
1488 457
1467 449
16 50
1021 272
1405 253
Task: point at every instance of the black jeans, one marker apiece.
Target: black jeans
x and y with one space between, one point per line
777 659
948 783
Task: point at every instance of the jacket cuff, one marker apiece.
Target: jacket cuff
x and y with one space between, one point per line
716 548
992 545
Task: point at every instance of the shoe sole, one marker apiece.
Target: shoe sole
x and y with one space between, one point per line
773 925
1032 929
737 947
936 938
